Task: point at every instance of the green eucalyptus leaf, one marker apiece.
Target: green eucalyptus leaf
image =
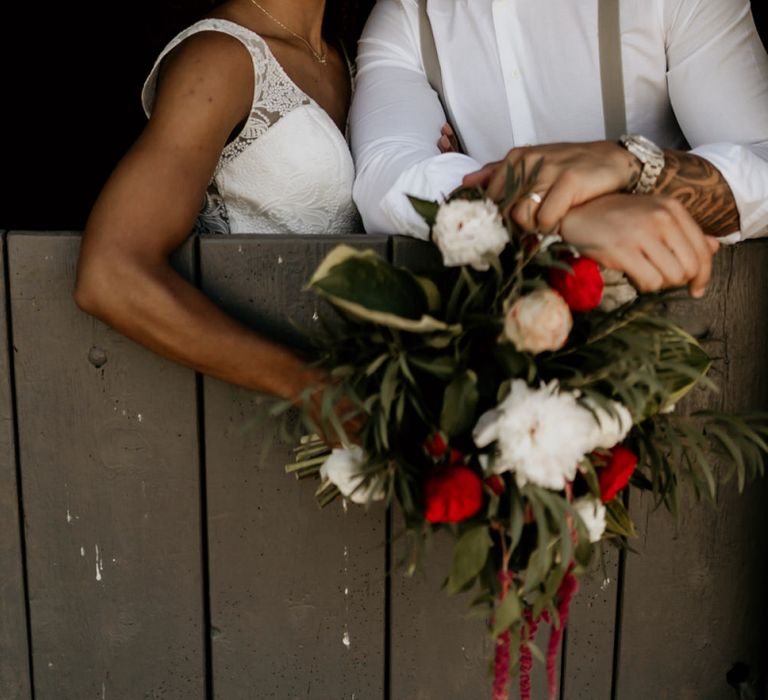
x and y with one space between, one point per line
425 208
469 556
441 367
537 653
516 517
459 404
617 519
507 613
389 385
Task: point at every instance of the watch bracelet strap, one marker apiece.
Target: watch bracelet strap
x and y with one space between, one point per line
648 176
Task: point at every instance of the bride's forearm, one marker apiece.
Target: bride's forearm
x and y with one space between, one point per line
702 189
157 308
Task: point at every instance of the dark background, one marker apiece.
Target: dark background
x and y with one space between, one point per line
72 75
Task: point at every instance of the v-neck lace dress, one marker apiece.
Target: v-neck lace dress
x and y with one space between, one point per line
289 170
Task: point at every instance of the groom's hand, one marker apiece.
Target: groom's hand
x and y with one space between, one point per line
571 174
651 238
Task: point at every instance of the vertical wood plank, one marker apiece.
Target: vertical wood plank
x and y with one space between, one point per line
589 641
109 462
14 650
297 594
694 600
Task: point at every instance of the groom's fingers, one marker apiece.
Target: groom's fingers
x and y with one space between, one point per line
640 271
447 143
664 259
632 232
558 200
480 178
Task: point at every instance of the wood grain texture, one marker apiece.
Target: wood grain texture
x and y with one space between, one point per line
590 635
290 584
694 600
14 650
109 459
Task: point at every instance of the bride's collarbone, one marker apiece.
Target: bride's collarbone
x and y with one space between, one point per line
327 83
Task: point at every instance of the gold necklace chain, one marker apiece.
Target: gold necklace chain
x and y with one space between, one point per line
319 57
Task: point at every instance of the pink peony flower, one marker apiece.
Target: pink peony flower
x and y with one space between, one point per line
538 321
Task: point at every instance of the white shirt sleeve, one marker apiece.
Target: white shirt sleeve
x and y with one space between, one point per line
718 87
395 123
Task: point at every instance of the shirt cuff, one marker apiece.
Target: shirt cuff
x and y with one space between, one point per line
745 169
432 179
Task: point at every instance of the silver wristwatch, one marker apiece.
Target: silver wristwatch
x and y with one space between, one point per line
650 155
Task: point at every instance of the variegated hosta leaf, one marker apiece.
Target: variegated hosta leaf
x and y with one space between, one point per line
368 287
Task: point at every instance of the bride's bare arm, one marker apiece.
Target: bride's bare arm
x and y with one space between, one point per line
147 209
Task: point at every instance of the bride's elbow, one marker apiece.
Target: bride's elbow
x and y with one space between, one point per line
100 286
90 291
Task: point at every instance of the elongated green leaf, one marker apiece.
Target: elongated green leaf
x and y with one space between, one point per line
507 613
732 449
516 517
425 208
617 519
373 366
469 557
389 386
459 404
442 367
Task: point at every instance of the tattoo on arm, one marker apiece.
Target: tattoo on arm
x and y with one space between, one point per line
698 185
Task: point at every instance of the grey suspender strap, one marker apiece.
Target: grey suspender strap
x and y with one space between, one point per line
611 69
432 64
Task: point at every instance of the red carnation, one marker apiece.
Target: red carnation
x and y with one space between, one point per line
452 494
581 286
615 475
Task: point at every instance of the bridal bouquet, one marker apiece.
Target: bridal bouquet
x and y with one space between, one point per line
509 396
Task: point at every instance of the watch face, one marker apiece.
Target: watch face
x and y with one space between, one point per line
644 145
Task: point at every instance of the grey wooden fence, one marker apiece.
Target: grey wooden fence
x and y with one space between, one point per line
151 548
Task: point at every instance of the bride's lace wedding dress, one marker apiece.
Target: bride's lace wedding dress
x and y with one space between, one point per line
289 170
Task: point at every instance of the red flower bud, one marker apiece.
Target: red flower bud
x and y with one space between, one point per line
582 286
495 483
452 494
615 475
435 446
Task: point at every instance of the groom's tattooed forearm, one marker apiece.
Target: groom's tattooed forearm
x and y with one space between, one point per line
698 185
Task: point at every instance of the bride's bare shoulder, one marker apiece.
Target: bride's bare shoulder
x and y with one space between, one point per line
209 68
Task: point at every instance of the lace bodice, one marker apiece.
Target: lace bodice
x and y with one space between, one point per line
289 170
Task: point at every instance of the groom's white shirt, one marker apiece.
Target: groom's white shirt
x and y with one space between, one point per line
519 72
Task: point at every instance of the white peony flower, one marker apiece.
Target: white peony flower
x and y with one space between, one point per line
539 434
610 427
538 321
466 232
344 468
592 513
542 434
